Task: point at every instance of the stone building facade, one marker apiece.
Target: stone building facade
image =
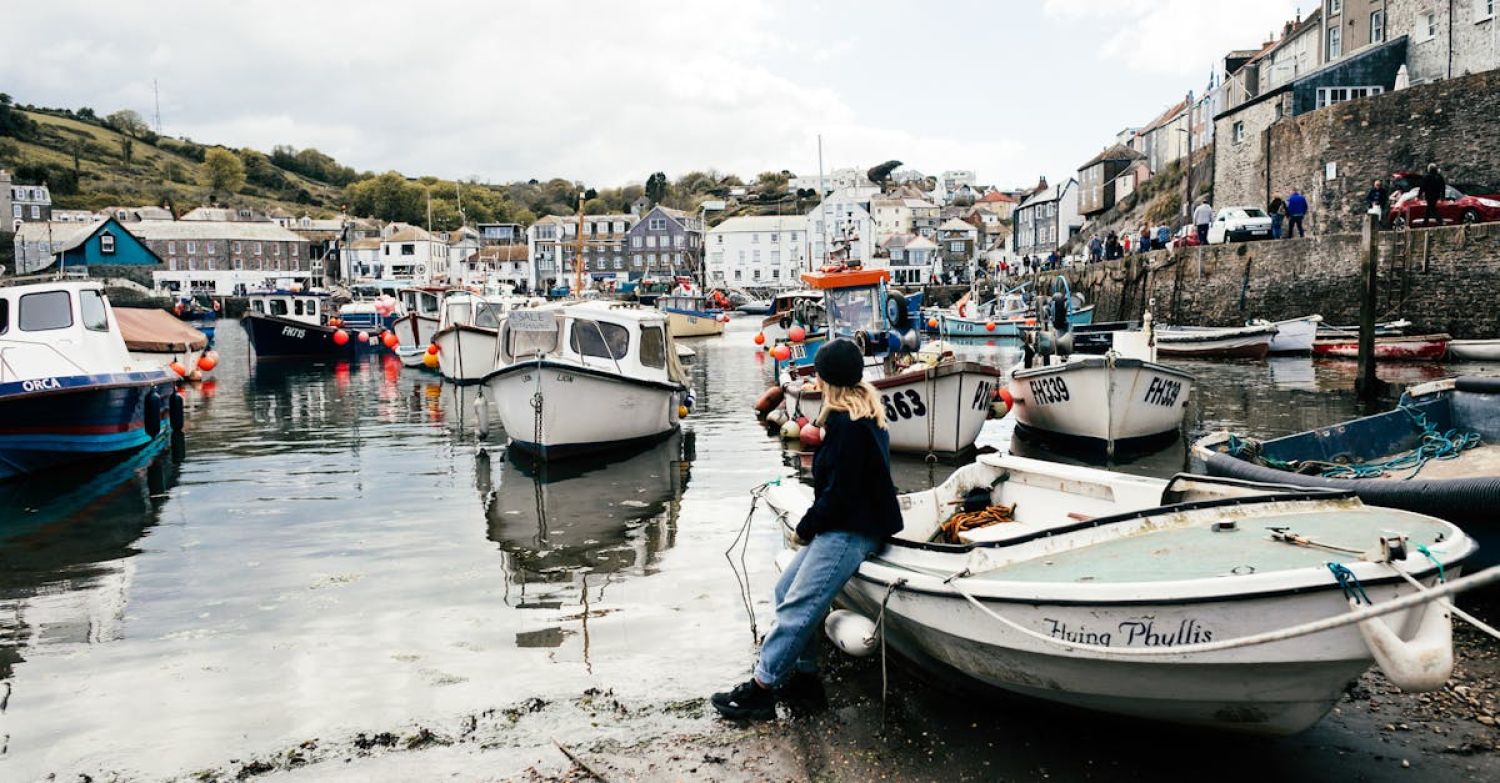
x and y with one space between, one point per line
1445 45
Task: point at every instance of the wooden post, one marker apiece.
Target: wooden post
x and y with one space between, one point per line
1365 384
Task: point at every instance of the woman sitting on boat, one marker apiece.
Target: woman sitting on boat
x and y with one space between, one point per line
854 511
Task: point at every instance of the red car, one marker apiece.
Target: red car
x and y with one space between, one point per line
1410 209
1187 236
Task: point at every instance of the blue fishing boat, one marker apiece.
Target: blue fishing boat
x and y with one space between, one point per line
69 390
298 325
1437 453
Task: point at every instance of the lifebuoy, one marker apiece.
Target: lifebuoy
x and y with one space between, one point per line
768 401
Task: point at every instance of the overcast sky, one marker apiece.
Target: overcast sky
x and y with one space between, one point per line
608 92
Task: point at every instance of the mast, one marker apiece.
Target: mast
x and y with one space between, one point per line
578 254
822 200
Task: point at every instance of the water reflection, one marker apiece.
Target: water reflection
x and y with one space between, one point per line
569 529
66 549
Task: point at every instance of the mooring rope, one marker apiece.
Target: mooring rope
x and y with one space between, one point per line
1443 602
1433 445
1445 589
742 540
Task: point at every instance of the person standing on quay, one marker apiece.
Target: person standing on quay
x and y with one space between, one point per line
1434 187
854 511
1145 243
1277 210
1379 199
1202 217
1296 212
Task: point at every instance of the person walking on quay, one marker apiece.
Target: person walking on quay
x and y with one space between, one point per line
1434 187
1379 199
1277 211
1112 249
1145 242
1296 212
854 511
1096 249
1202 217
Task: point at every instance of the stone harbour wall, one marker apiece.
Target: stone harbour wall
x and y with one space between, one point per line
1442 279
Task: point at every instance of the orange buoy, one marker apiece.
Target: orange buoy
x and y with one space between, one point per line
989 326
432 349
760 338
797 333
206 363
340 337
178 368
1007 397
932 323
781 352
390 340
768 401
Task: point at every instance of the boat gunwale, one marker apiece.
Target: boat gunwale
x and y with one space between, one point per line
1092 361
555 364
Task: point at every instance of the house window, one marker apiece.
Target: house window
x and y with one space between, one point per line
275 249
236 247
1429 25
192 248
1239 132
107 243
294 250
239 263
408 249
36 212
657 224
677 241
1335 6
208 247
1327 96
955 247
635 260
1377 26
16 211
739 274
257 248
1488 11
635 241
171 248
1335 43
650 241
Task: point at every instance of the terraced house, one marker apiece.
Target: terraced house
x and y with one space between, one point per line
664 242
553 246
227 257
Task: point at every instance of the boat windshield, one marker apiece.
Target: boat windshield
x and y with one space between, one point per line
488 314
854 309
599 338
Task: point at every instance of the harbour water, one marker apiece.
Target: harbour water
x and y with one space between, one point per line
339 557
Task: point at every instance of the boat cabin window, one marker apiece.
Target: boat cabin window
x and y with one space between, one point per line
519 344
428 303
488 315
44 311
312 306
854 309
458 312
91 311
278 307
597 338
653 347
297 307
4 315
257 305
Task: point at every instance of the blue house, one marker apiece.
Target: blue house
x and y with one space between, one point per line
76 245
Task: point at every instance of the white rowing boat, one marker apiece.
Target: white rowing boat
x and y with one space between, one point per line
1294 335
1170 600
1207 342
1475 350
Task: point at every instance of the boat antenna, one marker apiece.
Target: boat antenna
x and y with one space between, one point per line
822 208
578 254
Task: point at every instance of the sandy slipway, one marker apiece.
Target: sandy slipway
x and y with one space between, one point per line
932 731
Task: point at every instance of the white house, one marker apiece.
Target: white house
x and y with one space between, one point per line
1046 220
411 253
836 180
769 251
912 258
843 221
462 244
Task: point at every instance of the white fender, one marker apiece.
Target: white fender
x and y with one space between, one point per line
776 417
790 431
851 632
482 412
1422 664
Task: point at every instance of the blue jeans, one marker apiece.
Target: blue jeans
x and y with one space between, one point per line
1276 226
803 594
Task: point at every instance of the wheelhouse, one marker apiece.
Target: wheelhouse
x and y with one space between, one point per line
620 338
40 322
302 307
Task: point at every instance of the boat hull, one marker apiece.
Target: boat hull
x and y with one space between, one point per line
1129 404
582 411
1277 689
1214 344
1296 335
415 330
683 323
1475 350
466 353
938 410
1420 348
955 326
281 338
54 421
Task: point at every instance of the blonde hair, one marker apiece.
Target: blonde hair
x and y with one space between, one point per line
860 402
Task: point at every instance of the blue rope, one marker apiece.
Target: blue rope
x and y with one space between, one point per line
1433 445
1424 550
1353 590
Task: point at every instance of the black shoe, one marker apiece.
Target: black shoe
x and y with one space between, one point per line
802 686
803 693
748 701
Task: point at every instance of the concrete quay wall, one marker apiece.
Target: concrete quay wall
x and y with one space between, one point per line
1442 279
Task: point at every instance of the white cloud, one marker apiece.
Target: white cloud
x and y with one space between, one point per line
1175 37
602 92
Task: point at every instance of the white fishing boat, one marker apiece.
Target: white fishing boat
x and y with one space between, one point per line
1294 335
1120 401
936 408
1211 602
467 336
587 377
691 314
69 389
1208 342
1475 350
419 324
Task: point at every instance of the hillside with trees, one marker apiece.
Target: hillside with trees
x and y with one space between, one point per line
92 162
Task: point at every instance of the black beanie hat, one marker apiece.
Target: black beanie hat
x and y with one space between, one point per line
840 363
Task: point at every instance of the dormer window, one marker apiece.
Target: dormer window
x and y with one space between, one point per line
107 243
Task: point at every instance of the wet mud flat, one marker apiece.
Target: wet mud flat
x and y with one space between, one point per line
928 728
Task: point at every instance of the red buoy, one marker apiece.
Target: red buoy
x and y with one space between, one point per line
781 352
390 340
932 323
178 368
989 326
432 349
760 338
207 363
797 333
811 435
768 401
340 337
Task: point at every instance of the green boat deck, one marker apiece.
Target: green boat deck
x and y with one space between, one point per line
1198 552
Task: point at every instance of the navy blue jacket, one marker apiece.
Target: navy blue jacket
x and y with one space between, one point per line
1296 206
852 487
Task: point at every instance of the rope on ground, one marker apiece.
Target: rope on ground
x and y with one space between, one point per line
1479 579
573 757
742 540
